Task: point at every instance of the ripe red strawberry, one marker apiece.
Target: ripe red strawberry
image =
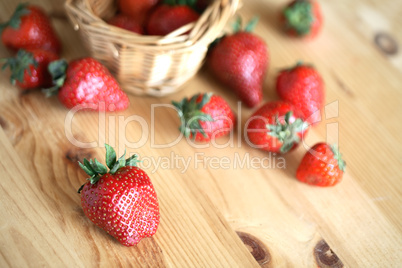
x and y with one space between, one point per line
29 68
240 61
126 22
30 28
322 165
138 9
302 18
276 127
88 83
165 19
122 201
303 86
205 117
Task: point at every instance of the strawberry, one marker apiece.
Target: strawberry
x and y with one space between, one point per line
302 86
322 165
121 201
302 18
167 18
240 61
205 117
276 127
30 28
88 83
126 22
29 68
138 9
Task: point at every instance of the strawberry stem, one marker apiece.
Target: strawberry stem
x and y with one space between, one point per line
57 70
287 132
251 24
19 64
299 16
189 111
15 20
96 170
338 157
238 25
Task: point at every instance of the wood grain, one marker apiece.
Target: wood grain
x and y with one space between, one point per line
283 222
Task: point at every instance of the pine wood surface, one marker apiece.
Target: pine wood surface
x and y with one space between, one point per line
283 223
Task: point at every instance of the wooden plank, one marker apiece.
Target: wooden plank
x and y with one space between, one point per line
284 221
30 235
192 232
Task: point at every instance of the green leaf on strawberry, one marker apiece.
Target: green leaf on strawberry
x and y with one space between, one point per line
299 16
19 64
238 25
338 157
95 169
287 132
15 20
191 115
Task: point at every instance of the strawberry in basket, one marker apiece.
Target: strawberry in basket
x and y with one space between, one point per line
126 22
137 9
171 16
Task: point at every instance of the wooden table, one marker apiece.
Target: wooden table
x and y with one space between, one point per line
208 210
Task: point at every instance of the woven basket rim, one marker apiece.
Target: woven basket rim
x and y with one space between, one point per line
173 41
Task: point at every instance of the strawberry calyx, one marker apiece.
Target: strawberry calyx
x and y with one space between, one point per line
338 157
190 113
15 20
190 3
57 70
298 64
286 132
238 25
299 16
96 170
19 64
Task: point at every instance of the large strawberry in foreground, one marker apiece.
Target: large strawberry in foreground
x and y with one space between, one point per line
121 201
276 127
303 86
205 117
302 18
29 28
322 166
87 83
29 68
240 61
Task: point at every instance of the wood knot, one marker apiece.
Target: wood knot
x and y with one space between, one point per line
256 248
3 123
325 257
386 43
75 155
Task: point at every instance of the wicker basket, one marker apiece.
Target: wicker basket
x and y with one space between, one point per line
151 65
